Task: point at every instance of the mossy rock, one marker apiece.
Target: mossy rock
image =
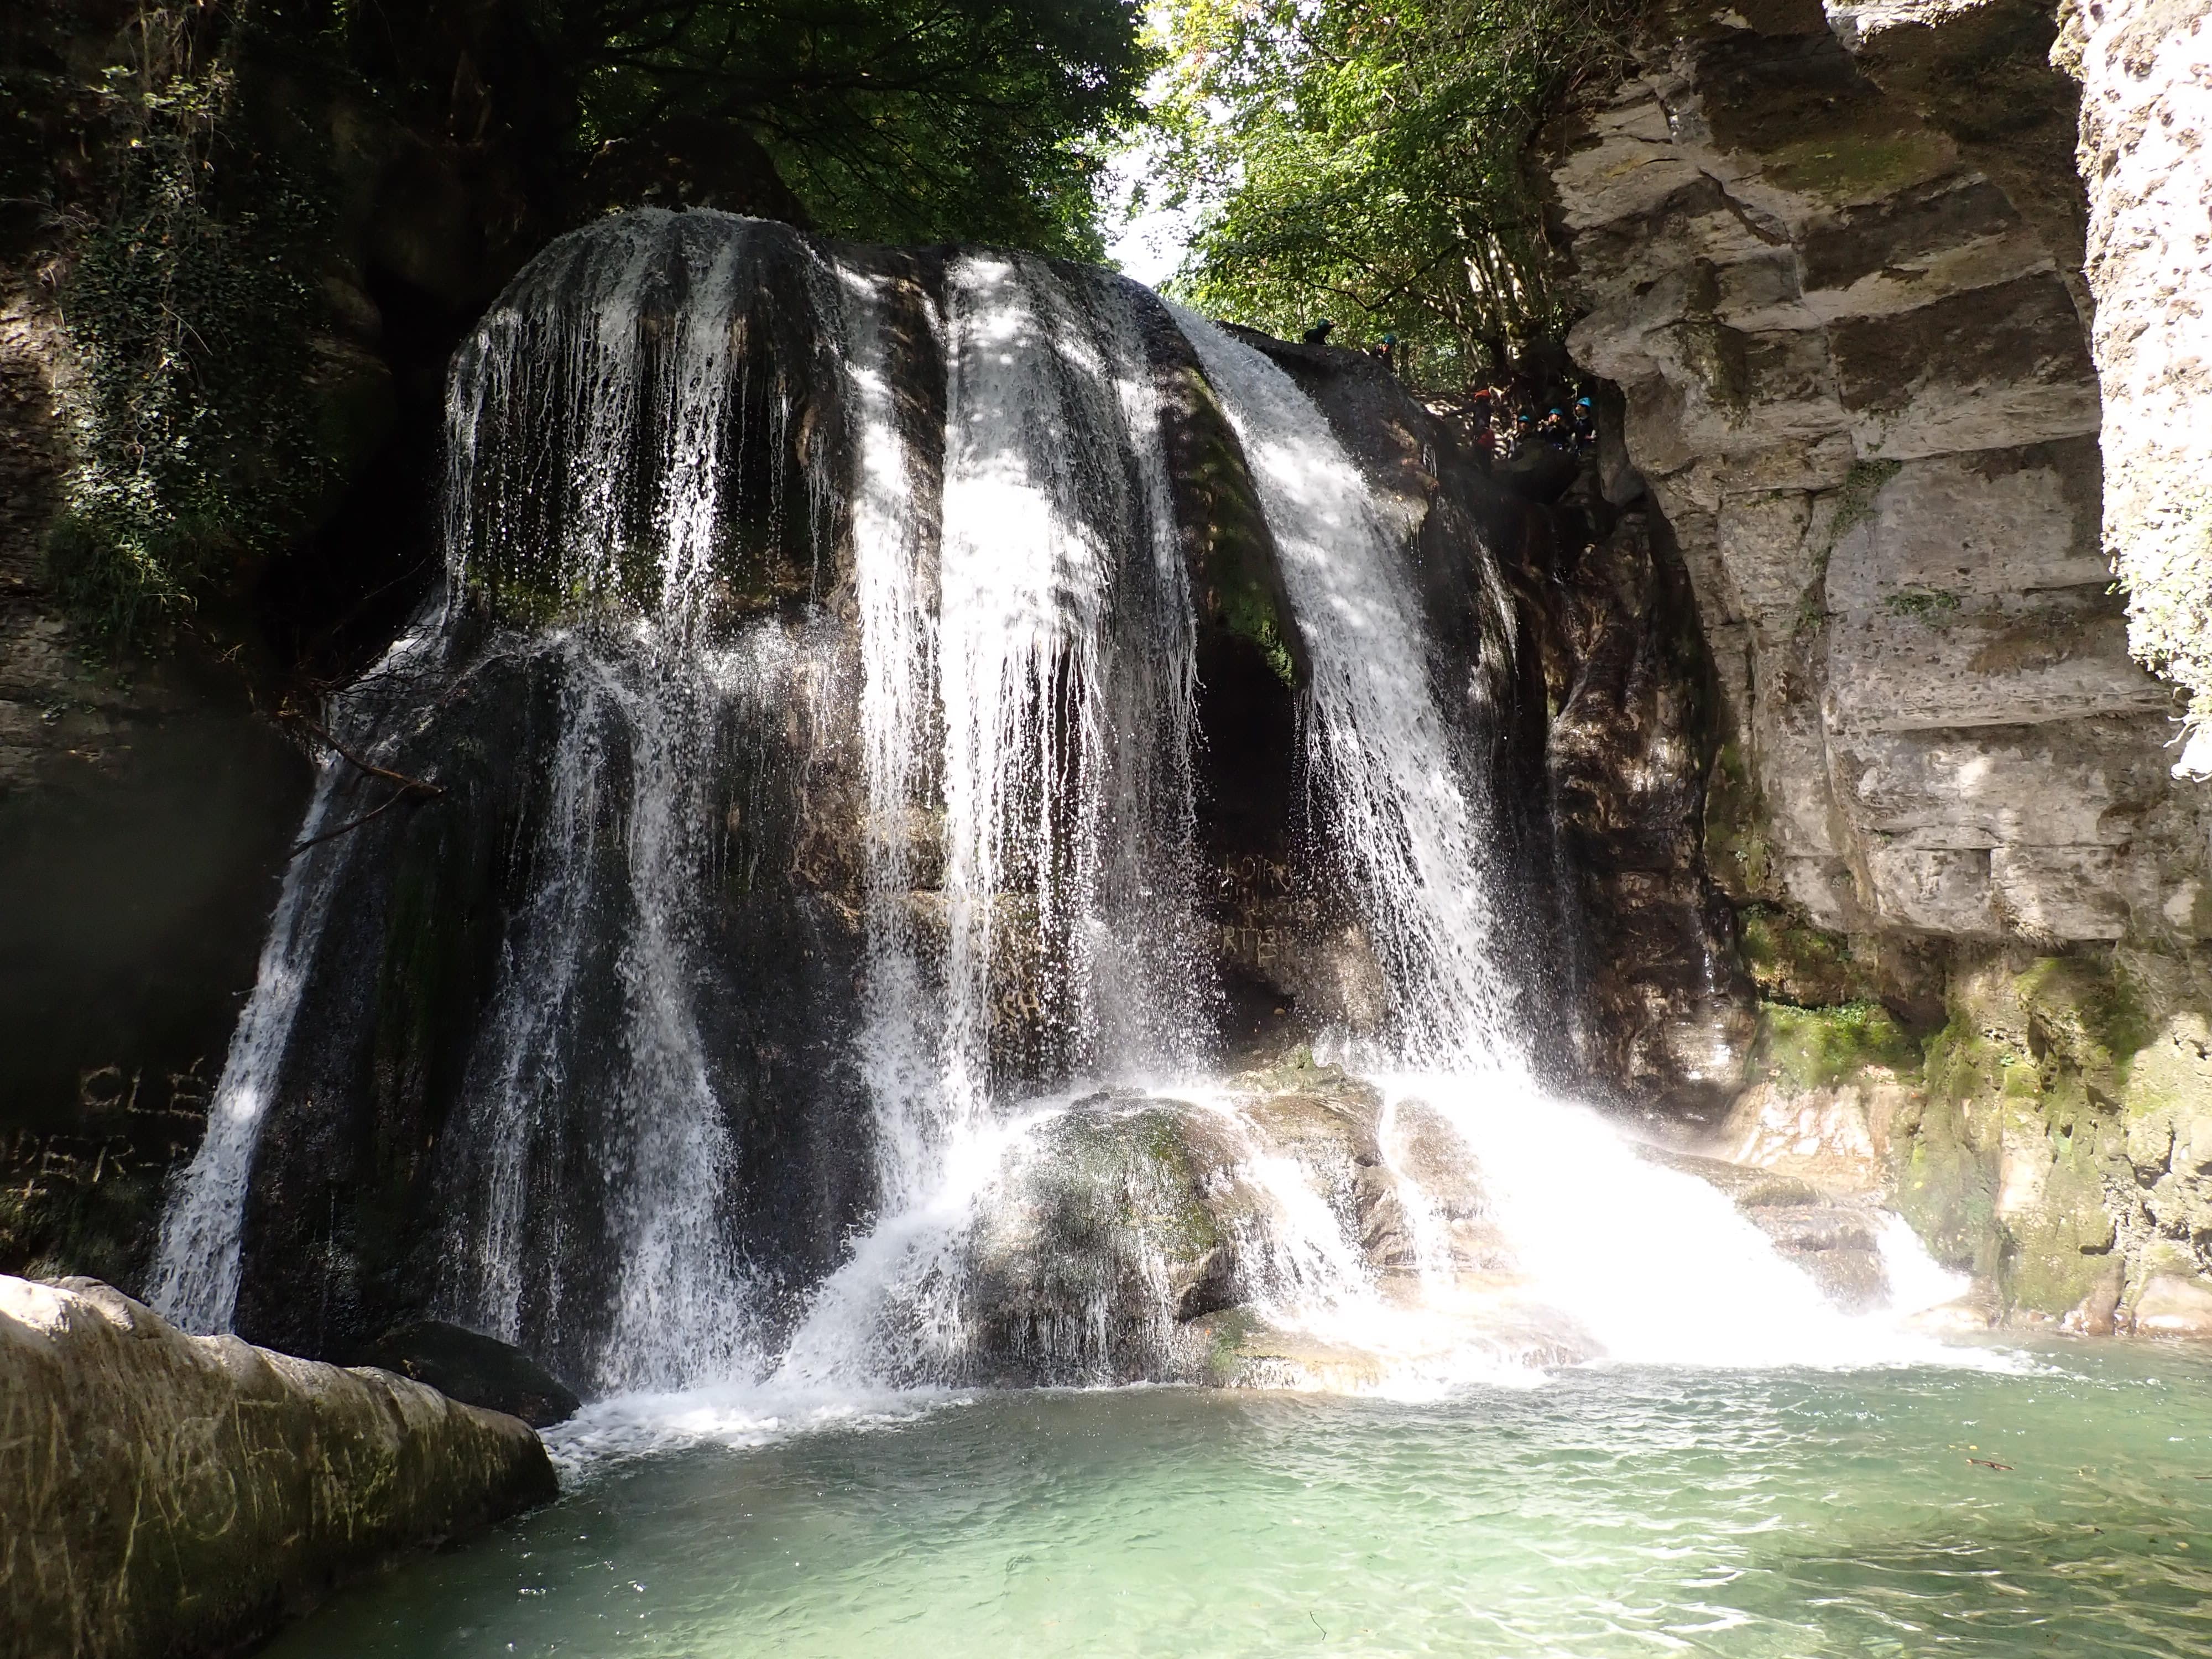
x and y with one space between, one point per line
2170 1078
1738 854
2059 1248
2084 1011
1792 962
1820 1047
1858 166
1102 1244
1945 1185
1228 548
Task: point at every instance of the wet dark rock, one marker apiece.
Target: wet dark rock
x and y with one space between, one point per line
474 1369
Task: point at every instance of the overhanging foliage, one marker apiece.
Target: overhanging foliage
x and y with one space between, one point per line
1368 162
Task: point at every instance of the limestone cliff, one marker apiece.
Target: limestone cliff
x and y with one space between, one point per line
1832 263
1857 386
2146 72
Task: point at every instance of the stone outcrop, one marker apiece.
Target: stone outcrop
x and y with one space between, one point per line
474 1369
2146 72
165 1493
1834 266
1857 386
1137 1238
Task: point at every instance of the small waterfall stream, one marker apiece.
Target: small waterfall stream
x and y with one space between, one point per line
1409 826
807 976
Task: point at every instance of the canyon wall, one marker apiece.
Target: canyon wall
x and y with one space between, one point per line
1832 263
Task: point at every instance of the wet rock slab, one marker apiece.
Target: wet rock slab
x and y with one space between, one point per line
162 1493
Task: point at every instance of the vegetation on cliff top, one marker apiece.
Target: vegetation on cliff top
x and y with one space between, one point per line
1370 163
897 120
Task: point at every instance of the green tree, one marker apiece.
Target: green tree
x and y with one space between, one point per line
905 120
1369 162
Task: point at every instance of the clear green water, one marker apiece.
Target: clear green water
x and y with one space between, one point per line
1783 1513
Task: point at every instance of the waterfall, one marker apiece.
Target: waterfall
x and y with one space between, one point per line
1059 661
895 581
195 1277
1064 657
195 1280
812 974
1411 828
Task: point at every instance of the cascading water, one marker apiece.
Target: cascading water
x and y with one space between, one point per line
807 974
1409 826
195 1265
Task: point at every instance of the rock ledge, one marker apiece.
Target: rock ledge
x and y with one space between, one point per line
168 1494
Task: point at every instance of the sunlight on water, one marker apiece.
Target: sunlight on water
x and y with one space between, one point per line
2063 1506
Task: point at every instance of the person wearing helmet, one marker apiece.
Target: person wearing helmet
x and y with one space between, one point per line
1318 334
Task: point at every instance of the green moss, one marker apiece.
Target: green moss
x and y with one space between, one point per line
2085 1011
1793 962
1928 604
1855 499
1228 1332
2058 1248
1856 166
2033 1108
1737 853
1240 590
1944 1183
1818 1048
1130 1172
2168 1079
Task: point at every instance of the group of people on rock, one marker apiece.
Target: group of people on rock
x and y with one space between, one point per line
1387 348
1506 419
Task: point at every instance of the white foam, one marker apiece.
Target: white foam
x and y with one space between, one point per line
737 1415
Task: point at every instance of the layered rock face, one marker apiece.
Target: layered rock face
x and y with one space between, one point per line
1833 266
1858 388
165 1493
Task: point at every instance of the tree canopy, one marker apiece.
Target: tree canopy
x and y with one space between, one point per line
906 120
1368 162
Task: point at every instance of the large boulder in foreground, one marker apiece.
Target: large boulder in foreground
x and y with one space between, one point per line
174 1495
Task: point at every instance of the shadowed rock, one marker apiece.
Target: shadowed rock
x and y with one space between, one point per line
475 1369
